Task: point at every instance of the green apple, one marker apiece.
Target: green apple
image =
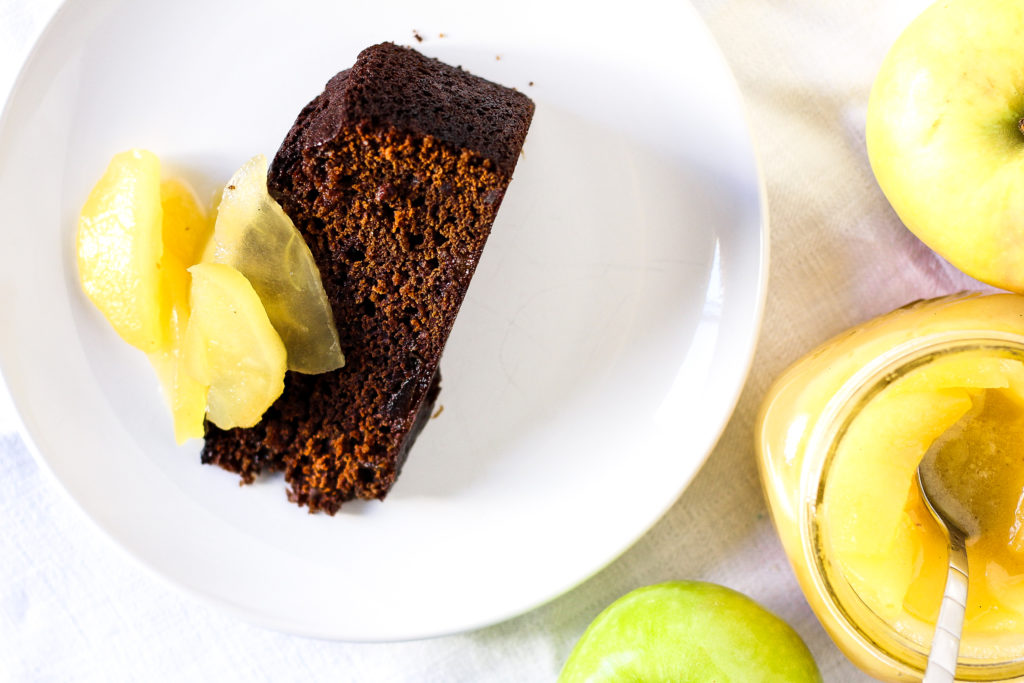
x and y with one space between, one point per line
946 138
689 631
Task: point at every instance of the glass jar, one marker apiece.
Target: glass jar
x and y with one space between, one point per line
806 416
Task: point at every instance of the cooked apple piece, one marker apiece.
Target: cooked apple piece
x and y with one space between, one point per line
863 510
185 396
883 579
231 347
186 229
1006 588
924 595
996 624
254 235
119 246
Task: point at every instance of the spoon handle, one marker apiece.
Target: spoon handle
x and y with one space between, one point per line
946 642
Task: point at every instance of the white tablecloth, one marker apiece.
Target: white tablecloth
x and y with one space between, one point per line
74 607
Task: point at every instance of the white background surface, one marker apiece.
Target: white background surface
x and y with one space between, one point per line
73 607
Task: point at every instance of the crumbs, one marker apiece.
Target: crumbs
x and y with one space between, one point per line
419 39
419 36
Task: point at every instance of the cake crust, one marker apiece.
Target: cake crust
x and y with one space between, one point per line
394 175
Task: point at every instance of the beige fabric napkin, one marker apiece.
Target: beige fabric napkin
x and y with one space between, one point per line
72 607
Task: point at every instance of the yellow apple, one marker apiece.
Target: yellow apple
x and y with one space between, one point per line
946 139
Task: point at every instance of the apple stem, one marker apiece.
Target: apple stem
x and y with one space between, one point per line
1020 126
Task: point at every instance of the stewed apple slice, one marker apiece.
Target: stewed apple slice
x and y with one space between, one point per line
185 396
186 229
865 518
119 247
231 347
254 235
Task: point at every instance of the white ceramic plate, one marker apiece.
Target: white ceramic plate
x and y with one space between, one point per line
598 354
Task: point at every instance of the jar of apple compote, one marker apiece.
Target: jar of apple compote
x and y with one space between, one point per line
840 436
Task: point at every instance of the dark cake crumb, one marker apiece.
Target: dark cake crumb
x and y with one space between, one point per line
394 175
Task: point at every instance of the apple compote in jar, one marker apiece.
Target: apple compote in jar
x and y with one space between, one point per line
840 436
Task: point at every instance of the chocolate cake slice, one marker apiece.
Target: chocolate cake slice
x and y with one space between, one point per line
394 175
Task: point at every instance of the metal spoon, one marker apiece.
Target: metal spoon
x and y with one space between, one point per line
957 522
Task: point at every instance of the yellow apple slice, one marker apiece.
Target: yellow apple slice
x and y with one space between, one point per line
119 247
185 396
186 229
1005 587
231 347
924 594
864 509
883 580
254 235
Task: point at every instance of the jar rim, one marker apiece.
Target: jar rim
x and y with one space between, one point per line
899 651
